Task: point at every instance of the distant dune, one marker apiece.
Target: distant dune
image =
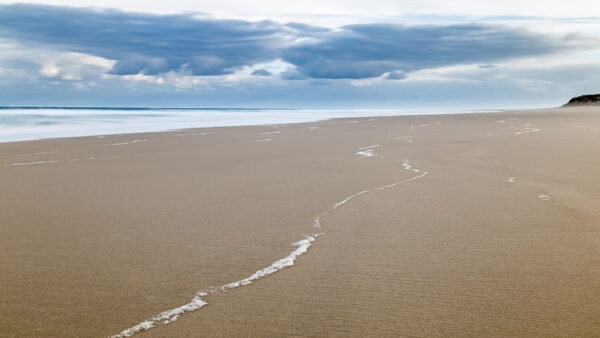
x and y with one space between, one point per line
584 100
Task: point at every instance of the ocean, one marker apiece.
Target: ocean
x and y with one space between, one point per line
21 124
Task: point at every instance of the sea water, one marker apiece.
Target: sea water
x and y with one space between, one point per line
19 124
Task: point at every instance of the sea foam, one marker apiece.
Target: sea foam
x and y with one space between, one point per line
302 247
19 124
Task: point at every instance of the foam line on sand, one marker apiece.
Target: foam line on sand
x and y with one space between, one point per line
37 162
302 247
368 151
40 153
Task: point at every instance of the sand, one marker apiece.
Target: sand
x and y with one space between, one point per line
501 237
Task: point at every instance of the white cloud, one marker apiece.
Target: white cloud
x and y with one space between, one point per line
49 70
275 67
335 12
73 66
460 73
179 81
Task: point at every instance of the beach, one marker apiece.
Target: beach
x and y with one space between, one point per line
483 224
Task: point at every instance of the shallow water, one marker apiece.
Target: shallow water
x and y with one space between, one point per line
20 124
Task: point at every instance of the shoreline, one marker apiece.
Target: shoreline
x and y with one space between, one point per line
499 238
328 115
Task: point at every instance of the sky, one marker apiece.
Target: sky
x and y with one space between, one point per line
361 54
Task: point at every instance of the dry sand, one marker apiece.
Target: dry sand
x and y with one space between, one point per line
500 238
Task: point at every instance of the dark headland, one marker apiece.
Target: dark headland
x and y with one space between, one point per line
584 100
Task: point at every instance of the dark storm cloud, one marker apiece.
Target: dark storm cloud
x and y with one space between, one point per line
154 44
146 43
359 51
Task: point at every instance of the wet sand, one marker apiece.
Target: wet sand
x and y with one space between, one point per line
501 237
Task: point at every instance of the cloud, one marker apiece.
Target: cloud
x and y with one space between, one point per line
197 45
396 76
146 43
307 29
362 51
292 74
49 70
73 66
261 72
